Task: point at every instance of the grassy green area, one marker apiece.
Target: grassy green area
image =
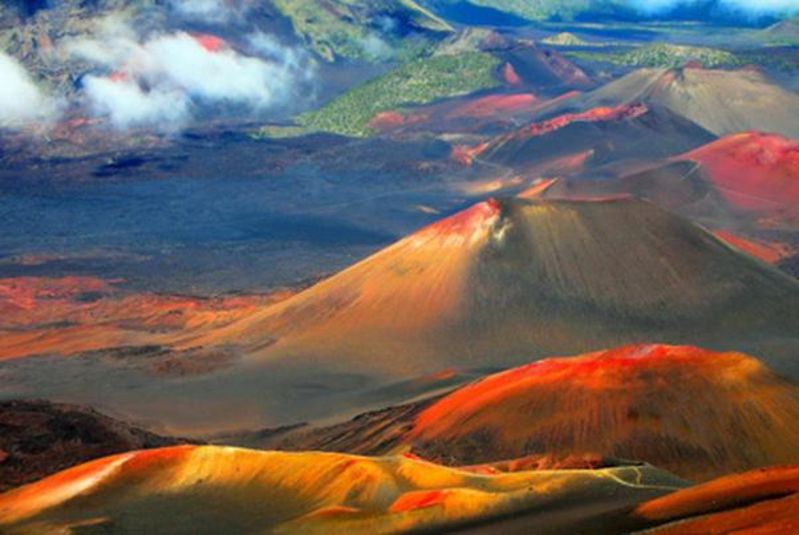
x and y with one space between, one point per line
662 55
418 82
355 28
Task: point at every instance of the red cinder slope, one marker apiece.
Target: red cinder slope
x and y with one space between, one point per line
599 114
753 171
695 412
721 101
759 502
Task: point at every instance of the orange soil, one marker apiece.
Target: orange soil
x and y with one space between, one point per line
770 252
494 105
695 412
764 501
225 490
624 111
538 188
754 171
391 120
47 315
467 155
510 75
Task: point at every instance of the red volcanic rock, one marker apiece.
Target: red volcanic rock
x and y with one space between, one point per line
209 42
387 120
771 252
538 188
467 222
763 502
626 111
753 171
494 105
510 75
411 501
71 315
692 411
390 120
467 155
28 292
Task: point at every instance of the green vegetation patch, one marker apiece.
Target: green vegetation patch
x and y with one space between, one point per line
663 55
417 82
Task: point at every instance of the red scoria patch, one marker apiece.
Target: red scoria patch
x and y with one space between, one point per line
467 221
753 171
770 252
146 459
467 155
390 120
510 75
626 111
494 105
413 501
211 43
604 367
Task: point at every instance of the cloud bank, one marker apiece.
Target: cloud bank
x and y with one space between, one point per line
210 10
22 102
744 7
162 79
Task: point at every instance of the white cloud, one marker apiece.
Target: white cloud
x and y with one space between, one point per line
126 104
764 6
750 7
159 80
22 102
210 10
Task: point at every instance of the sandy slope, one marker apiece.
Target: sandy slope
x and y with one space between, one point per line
215 490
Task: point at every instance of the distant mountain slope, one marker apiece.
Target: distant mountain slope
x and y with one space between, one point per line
696 413
362 28
519 11
747 181
212 490
497 285
417 82
471 61
666 55
537 10
723 102
608 133
754 172
785 32
504 279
